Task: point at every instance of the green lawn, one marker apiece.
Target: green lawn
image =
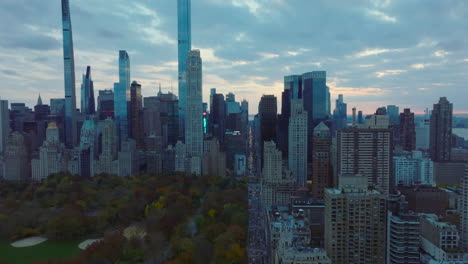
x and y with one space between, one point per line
44 251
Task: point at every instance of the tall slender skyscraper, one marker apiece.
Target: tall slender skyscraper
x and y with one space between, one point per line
4 124
297 154
69 72
88 105
122 97
185 45
194 118
441 131
407 130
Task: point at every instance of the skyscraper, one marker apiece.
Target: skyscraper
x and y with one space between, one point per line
88 106
314 94
293 83
267 117
69 72
105 104
341 112
322 169
355 222
185 45
277 185
122 97
407 130
297 154
16 166
464 212
393 111
4 124
441 131
367 151
194 114
136 114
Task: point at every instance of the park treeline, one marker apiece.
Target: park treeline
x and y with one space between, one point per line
181 218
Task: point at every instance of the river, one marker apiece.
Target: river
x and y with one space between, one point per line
461 132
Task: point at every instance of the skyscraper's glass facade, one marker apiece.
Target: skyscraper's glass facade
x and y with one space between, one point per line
185 44
314 93
122 96
69 72
194 118
87 94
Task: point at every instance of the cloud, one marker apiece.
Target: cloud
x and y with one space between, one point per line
381 15
419 66
384 73
247 47
440 53
370 52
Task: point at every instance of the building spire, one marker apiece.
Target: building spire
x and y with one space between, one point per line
160 92
39 100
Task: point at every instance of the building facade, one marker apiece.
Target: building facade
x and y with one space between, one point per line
441 131
297 142
355 223
194 114
69 76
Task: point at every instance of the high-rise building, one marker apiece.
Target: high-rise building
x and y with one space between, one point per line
277 185
360 118
136 114
407 130
464 212
293 83
194 114
122 97
153 153
16 167
169 112
283 118
88 149
367 151
322 169
88 105
218 116
268 121
214 159
108 156
355 222
441 131
297 153
184 28
57 106
4 124
413 169
393 113
105 104
403 237
69 73
127 159
50 153
314 95
340 114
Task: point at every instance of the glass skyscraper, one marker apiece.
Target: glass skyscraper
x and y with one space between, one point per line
194 118
69 72
122 96
185 45
314 93
87 94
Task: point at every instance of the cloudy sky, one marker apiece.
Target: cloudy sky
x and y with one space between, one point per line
375 52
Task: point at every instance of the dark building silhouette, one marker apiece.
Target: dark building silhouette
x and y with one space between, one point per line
407 130
136 114
441 131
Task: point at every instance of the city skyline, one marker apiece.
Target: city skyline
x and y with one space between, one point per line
409 59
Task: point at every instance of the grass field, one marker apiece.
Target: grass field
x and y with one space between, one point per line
44 251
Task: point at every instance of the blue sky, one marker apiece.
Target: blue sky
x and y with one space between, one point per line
375 52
